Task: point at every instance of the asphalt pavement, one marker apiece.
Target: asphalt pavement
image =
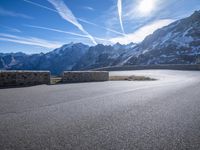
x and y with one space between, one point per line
114 115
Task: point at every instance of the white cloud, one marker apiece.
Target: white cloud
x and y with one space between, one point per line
141 33
4 12
30 41
67 15
88 8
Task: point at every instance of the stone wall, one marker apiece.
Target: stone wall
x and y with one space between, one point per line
24 78
143 67
84 76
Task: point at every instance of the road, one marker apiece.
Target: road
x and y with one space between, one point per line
114 115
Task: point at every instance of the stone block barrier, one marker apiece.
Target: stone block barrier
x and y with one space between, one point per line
24 78
144 67
84 76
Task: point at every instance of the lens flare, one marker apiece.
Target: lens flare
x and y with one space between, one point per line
146 6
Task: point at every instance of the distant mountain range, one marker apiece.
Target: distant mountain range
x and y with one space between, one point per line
177 43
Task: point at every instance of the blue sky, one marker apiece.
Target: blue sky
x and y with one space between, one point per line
34 26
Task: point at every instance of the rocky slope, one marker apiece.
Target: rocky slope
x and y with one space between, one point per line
177 43
104 56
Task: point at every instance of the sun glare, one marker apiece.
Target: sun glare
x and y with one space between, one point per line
146 6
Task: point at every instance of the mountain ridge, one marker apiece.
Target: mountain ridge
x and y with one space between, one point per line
177 43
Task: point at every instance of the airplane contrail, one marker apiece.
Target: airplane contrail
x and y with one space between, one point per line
67 15
119 6
39 5
108 29
30 41
55 30
79 19
61 31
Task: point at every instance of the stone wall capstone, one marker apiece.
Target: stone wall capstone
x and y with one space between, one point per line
84 76
158 66
24 78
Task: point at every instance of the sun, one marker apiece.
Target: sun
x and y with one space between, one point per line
146 6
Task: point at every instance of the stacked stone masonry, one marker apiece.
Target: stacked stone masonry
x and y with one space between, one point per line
84 76
24 78
144 67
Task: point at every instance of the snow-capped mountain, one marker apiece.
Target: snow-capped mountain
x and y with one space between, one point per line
73 56
63 58
104 56
177 43
56 61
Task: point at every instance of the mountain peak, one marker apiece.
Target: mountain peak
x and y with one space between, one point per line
195 15
197 12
